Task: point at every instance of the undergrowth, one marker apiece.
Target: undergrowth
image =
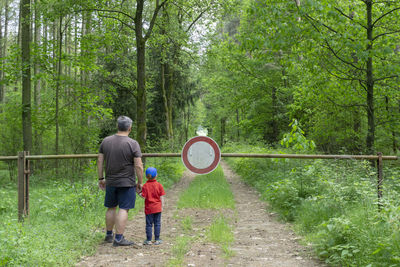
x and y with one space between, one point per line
332 203
66 218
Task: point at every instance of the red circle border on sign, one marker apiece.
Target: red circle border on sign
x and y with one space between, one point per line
212 143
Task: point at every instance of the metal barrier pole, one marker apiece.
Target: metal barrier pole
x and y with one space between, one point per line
26 177
22 187
380 180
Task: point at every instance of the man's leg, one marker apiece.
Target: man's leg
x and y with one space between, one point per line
110 202
126 201
110 218
120 222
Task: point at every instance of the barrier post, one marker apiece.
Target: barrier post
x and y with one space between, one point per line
380 180
23 185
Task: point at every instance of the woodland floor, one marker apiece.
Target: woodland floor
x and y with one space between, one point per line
260 240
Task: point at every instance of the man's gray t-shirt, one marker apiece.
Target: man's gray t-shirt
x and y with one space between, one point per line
119 152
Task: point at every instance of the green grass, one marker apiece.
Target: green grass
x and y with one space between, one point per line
187 224
180 248
182 243
62 225
220 232
210 191
66 218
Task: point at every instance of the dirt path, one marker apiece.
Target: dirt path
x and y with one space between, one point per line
259 239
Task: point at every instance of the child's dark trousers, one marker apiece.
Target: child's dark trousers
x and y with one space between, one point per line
154 218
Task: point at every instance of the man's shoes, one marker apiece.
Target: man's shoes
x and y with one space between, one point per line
109 238
158 242
122 242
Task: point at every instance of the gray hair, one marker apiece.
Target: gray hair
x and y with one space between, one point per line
124 123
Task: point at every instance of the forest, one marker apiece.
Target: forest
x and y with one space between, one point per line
69 68
277 76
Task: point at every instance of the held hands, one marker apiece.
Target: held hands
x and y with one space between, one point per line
139 188
102 184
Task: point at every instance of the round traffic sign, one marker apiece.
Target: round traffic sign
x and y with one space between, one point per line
201 154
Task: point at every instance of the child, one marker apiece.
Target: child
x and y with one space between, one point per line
153 193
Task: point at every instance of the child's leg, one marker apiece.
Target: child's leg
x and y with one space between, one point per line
149 225
157 225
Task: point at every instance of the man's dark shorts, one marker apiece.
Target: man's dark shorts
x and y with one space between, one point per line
124 197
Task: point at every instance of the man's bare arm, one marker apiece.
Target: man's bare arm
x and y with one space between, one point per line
139 172
100 171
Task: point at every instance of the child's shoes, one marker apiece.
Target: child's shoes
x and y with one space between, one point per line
147 242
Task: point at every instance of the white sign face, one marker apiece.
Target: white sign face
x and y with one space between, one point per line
201 155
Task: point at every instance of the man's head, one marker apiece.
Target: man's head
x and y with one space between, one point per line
151 173
124 123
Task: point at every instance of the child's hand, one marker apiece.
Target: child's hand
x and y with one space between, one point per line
139 190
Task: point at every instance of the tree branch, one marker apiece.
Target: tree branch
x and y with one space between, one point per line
346 106
118 19
341 59
153 19
198 17
247 70
383 34
350 18
387 77
384 15
111 11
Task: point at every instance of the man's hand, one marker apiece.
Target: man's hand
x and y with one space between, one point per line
139 188
102 184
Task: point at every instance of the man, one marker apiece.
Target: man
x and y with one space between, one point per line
122 157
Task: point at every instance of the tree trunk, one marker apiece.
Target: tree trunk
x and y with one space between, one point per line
36 70
1 60
170 92
58 85
141 76
26 74
187 122
357 130
223 130
165 100
86 28
389 116
237 125
141 70
370 83
274 123
4 50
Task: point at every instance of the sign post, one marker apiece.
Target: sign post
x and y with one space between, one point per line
201 155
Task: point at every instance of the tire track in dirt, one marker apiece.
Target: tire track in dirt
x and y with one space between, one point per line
260 240
156 256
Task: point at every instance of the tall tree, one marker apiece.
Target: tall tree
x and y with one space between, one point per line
3 48
358 47
25 7
141 40
36 71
